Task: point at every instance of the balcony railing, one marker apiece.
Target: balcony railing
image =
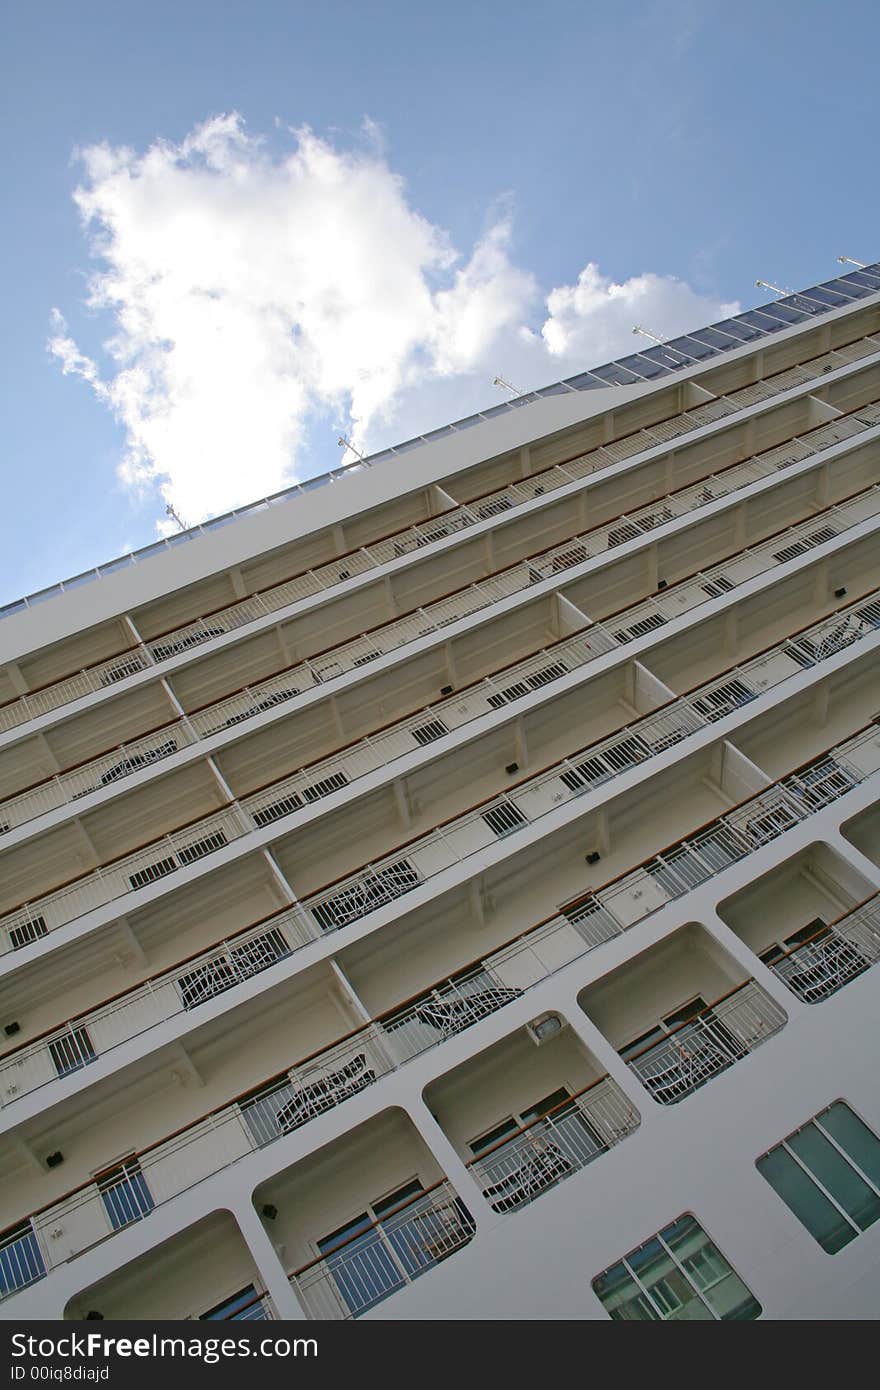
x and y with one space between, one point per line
119 762
820 966
375 885
282 1104
690 350
386 1256
706 1045
544 1152
144 655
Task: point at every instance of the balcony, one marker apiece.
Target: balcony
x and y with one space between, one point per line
138 658
363 1218
111 768
654 1011
271 939
334 1073
378 1258
813 920
828 957
205 1273
529 1112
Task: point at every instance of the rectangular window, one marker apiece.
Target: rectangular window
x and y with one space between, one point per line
638 629
243 1306
26 932
828 1174
720 584
426 733
333 783
71 1051
589 773
277 809
20 1259
678 1275
512 692
504 819
125 1193
788 552
199 848
153 871
547 674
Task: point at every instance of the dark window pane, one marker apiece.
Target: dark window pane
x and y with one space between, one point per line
836 1176
803 1197
852 1135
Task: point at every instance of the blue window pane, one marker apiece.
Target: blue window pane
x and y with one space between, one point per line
642 365
761 321
841 287
20 1260
241 1307
585 381
863 280
823 295
363 1270
691 345
615 375
785 310
739 328
126 1195
714 338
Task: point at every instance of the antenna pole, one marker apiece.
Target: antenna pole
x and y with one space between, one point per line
507 386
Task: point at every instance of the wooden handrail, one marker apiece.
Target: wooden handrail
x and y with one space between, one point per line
193 1124
530 1124
701 1013
410 1201
178 627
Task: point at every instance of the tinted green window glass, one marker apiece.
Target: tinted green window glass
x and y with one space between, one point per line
809 1205
708 1270
689 1282
855 1137
836 1175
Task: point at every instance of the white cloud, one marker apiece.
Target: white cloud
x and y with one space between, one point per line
250 292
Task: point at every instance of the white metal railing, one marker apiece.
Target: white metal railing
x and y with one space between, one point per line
703 1047
660 608
204 629
307 1089
75 1044
704 345
833 955
386 1256
543 1153
372 887
166 856
127 758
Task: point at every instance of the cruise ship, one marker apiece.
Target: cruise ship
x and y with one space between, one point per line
450 888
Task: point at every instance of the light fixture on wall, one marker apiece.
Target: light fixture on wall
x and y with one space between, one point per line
269 1211
544 1028
11 1029
53 1160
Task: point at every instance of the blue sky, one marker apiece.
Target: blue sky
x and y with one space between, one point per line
262 288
